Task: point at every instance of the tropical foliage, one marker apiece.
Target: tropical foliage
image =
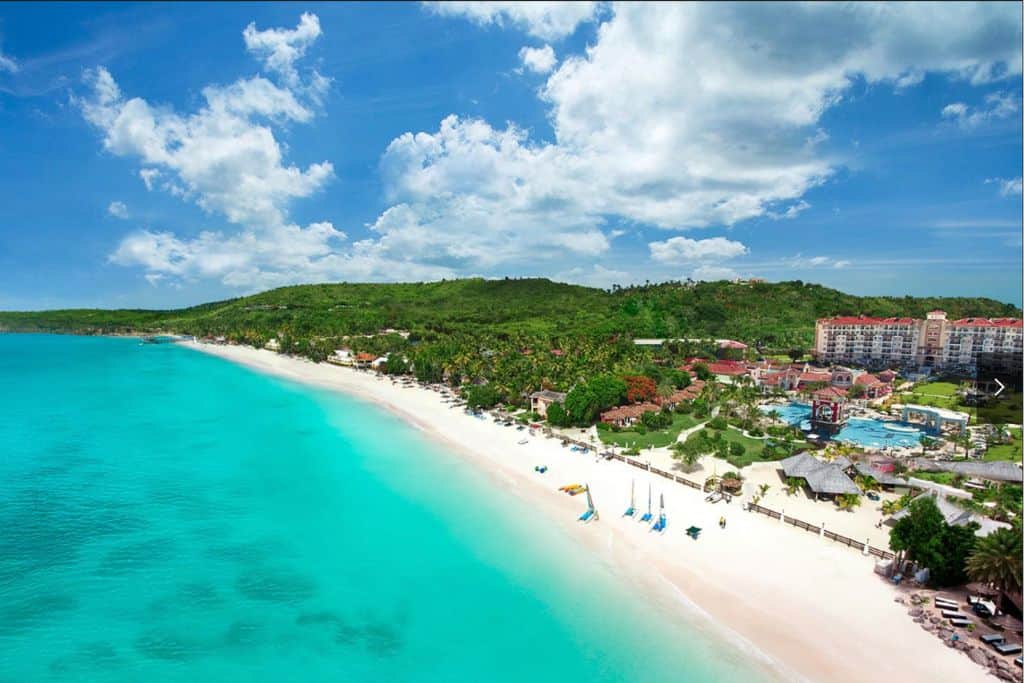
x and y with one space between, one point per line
996 560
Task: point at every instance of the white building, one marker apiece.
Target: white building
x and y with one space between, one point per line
934 341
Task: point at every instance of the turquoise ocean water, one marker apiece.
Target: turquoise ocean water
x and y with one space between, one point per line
169 516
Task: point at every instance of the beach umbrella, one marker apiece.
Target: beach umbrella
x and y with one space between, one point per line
1008 622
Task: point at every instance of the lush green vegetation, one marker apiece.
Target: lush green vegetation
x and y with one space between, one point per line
1007 451
996 560
779 315
631 438
924 537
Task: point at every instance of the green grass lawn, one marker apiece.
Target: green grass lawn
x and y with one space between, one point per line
937 477
665 437
1008 451
754 447
936 389
935 394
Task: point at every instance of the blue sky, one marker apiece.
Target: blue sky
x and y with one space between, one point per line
162 155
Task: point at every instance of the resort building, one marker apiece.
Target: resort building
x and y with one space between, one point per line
540 400
932 342
936 418
342 357
272 345
624 416
691 392
823 478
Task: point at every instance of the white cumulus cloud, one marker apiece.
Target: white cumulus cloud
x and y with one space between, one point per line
545 20
1008 187
677 116
225 157
539 60
996 106
118 210
8 64
683 249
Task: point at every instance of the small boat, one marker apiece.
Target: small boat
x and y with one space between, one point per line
662 522
576 490
647 516
567 487
631 510
591 512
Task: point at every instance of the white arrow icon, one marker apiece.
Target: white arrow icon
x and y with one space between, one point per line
1001 387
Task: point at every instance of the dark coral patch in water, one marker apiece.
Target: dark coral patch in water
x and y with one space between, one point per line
382 639
21 615
166 646
276 585
243 634
200 594
98 655
134 556
317 618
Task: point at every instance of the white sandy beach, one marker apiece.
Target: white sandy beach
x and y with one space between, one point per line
813 607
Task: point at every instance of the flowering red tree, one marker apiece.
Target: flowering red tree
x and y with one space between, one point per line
640 388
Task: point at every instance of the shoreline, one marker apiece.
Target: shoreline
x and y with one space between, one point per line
811 609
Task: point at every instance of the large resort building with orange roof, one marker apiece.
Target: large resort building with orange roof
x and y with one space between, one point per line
932 342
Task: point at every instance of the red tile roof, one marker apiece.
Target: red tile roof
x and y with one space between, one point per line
867 379
865 320
988 322
630 411
365 356
727 367
830 393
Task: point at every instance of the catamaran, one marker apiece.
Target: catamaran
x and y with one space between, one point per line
647 516
591 512
662 522
631 510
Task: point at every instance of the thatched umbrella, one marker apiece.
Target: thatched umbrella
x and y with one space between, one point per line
1008 622
982 589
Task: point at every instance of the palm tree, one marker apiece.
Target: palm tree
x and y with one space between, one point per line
996 560
763 489
793 485
848 501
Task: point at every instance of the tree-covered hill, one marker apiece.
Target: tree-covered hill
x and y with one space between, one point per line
780 313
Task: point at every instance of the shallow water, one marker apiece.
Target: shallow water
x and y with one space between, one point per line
170 516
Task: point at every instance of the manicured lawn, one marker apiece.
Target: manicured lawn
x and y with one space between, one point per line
631 439
936 389
936 394
1008 451
754 447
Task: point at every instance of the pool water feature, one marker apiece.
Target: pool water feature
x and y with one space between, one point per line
861 431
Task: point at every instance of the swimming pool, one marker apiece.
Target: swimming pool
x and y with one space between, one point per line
878 433
860 431
791 413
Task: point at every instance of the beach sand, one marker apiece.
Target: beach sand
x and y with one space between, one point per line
814 609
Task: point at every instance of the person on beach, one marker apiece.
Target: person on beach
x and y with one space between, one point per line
721 522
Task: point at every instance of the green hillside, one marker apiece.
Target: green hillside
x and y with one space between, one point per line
775 314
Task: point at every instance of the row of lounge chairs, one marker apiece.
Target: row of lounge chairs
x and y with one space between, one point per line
950 610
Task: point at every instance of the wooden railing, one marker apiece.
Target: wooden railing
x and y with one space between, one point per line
825 533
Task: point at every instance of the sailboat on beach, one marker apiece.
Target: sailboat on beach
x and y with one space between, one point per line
662 522
647 516
631 510
591 513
